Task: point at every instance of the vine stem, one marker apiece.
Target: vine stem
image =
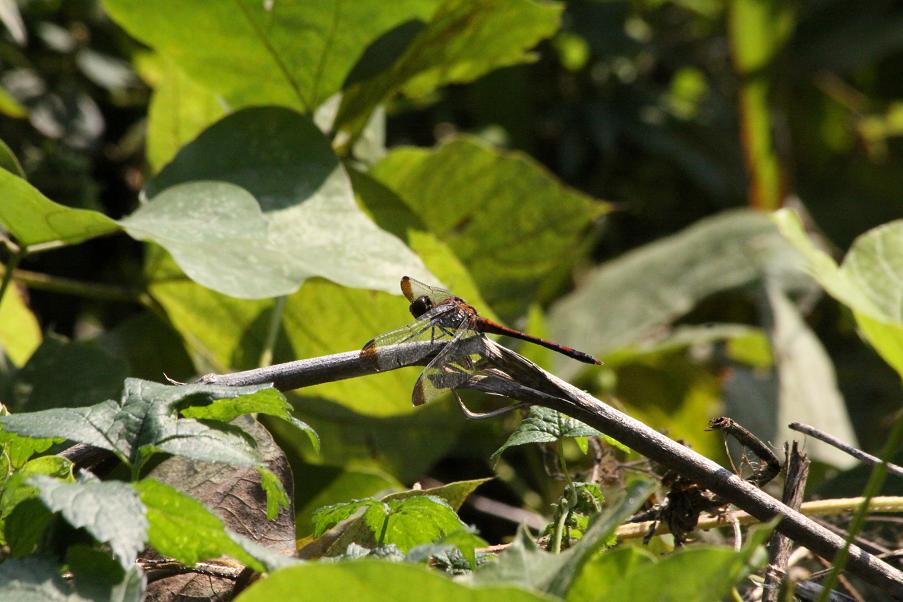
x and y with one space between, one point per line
10 267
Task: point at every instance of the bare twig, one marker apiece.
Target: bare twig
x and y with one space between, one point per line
779 547
845 447
520 379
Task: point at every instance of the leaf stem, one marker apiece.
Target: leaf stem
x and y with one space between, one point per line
9 268
79 288
266 356
564 509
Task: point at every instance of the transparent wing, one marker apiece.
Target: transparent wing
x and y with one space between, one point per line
453 367
435 325
414 289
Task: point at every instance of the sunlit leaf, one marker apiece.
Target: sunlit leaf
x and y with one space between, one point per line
20 333
294 198
110 511
544 425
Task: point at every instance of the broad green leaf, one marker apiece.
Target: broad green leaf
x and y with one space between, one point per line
25 528
110 511
808 390
463 40
266 401
64 373
35 516
18 449
32 579
525 565
20 333
312 224
319 486
8 160
32 218
646 289
508 221
182 528
414 521
372 580
179 110
604 570
294 54
453 493
544 425
867 281
151 347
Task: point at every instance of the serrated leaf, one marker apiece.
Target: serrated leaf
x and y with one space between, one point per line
18 449
417 520
32 218
376 581
463 190
544 425
312 224
327 517
266 401
145 421
867 281
646 289
182 528
295 55
463 40
110 511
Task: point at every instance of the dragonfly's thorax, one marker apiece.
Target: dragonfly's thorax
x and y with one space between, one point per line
420 306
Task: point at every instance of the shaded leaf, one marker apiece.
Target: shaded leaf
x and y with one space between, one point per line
32 579
33 218
463 40
367 580
647 288
311 223
110 511
463 190
867 281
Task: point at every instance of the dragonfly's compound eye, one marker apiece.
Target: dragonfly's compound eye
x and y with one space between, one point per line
421 305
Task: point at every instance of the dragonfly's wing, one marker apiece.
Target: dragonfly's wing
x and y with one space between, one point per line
414 289
427 328
454 366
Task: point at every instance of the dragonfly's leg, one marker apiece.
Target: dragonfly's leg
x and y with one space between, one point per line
486 415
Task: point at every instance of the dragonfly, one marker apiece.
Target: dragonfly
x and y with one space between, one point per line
443 317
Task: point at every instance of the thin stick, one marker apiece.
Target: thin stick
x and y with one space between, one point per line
845 447
779 547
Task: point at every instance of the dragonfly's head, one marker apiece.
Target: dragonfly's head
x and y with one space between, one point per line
421 305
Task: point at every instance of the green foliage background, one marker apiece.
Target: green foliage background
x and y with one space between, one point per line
196 187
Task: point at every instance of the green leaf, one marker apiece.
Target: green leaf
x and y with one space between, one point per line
277 496
295 55
18 449
67 373
463 191
179 110
371 580
866 281
328 485
311 222
145 421
544 425
20 333
265 401
182 528
98 577
33 218
110 511
629 574
17 487
453 493
327 517
525 565
32 579
463 40
8 160
646 289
